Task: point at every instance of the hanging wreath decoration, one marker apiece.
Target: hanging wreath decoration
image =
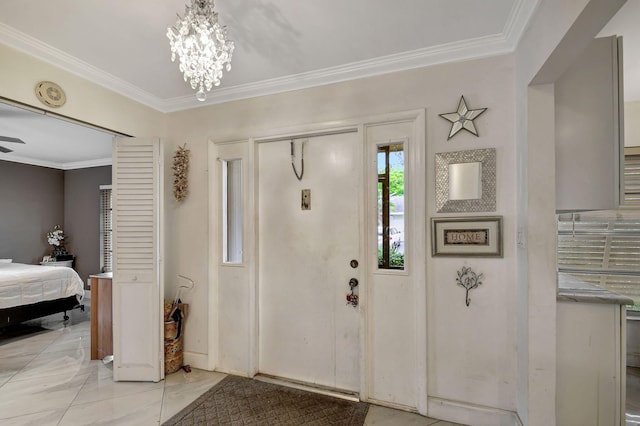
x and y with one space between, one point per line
180 173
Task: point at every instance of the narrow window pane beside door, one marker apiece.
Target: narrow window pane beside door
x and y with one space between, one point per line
106 229
232 211
391 240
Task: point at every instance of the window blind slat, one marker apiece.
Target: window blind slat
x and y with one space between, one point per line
602 248
106 241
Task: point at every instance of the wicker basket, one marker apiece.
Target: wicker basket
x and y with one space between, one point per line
172 355
170 330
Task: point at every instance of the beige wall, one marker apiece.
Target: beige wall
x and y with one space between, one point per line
537 282
472 352
632 123
484 338
85 101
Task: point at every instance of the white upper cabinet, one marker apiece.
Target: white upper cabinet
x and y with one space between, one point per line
588 111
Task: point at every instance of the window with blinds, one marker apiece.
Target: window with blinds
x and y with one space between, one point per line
105 229
602 248
632 175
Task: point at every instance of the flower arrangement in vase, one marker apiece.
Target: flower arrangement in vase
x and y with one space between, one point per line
56 240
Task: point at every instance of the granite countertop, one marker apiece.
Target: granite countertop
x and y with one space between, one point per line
571 289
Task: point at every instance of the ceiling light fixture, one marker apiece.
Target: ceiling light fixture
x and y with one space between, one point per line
201 46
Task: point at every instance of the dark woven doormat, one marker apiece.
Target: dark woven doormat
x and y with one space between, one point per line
242 401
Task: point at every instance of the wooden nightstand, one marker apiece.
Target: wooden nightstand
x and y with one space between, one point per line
101 316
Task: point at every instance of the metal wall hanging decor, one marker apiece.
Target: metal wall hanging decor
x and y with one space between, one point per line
461 188
180 173
462 119
468 280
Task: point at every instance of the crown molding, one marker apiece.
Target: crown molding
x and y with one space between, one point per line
481 47
518 21
60 166
87 164
477 48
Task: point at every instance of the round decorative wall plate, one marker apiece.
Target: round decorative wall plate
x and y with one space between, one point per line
50 94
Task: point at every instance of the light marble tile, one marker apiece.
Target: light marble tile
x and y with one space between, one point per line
183 388
100 386
196 376
80 330
24 347
72 363
383 416
144 409
38 394
10 366
69 343
43 418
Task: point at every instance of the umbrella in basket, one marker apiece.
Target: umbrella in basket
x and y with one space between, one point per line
174 315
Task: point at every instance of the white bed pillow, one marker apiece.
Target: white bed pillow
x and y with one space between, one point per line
6 260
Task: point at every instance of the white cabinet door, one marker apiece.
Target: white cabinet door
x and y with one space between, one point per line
590 374
588 109
137 286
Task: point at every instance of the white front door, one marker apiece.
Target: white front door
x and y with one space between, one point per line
307 331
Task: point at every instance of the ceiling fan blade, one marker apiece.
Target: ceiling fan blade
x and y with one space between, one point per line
5 150
10 139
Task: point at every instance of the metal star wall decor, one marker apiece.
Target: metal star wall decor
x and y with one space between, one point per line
462 118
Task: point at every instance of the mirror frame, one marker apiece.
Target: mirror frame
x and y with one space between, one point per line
488 201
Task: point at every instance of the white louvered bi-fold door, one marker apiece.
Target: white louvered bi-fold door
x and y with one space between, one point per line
137 285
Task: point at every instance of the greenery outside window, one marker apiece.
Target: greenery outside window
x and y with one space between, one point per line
390 164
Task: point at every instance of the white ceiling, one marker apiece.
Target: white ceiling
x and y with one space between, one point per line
280 45
52 142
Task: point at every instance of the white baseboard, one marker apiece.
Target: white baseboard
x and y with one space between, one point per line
470 414
349 396
197 360
233 372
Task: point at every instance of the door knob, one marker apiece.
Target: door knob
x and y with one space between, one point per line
353 282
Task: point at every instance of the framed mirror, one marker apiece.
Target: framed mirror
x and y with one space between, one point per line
466 181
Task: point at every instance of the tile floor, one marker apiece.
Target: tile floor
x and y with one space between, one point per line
47 378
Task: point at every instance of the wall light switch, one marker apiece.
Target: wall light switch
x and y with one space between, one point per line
306 199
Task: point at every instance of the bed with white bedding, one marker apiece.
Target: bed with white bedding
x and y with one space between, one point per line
31 291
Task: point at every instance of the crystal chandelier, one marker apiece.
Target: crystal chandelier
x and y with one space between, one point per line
201 46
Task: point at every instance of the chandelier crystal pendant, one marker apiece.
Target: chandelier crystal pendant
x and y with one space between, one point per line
201 45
